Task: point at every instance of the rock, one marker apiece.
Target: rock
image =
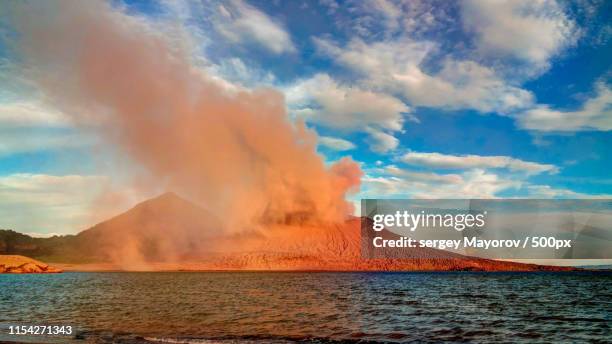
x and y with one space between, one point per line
30 268
19 264
51 269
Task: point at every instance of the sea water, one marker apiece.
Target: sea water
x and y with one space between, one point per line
288 307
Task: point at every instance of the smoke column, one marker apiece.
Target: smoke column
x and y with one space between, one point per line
232 150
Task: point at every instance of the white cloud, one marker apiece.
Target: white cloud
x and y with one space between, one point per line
335 143
31 127
423 176
42 235
30 114
381 141
391 181
595 114
386 18
476 183
389 10
394 67
377 60
546 191
243 23
234 70
45 203
422 17
322 100
462 85
332 5
41 203
28 140
437 160
532 31
477 177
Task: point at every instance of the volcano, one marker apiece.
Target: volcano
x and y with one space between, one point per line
165 228
171 233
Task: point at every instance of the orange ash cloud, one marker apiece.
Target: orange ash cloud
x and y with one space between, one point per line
232 150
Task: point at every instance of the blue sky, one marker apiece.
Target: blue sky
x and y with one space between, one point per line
471 99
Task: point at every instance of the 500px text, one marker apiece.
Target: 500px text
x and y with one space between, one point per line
474 242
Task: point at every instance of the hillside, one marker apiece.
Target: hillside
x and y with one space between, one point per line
338 247
163 228
12 242
168 232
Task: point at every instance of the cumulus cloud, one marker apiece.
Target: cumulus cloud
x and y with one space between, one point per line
402 182
425 175
445 161
243 23
335 143
377 60
472 182
513 40
532 31
382 142
322 100
462 85
595 114
395 67
475 183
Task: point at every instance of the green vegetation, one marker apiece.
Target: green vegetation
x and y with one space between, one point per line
56 249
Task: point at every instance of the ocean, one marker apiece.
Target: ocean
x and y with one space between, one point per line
303 307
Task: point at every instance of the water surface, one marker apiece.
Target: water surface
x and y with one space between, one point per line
311 307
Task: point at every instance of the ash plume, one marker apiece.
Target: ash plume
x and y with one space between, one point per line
231 150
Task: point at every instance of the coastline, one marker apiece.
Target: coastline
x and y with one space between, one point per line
203 267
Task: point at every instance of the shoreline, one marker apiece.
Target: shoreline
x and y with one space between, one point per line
114 268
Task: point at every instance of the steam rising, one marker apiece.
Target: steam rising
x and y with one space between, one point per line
230 149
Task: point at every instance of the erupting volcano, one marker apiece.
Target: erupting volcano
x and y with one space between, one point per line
142 239
272 202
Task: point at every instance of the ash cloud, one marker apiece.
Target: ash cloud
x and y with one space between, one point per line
231 150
